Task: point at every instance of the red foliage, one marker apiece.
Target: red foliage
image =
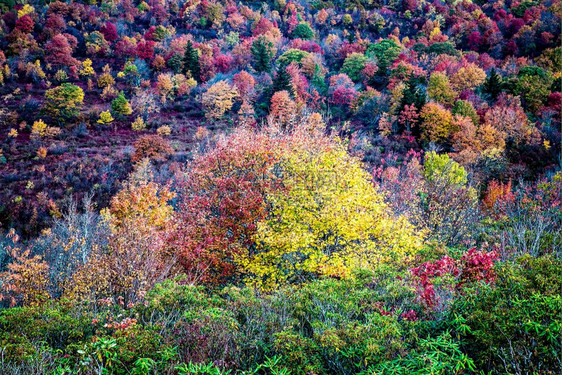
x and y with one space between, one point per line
475 265
55 24
425 275
153 147
223 63
305 45
343 96
244 83
262 26
109 32
25 24
475 40
145 49
349 48
59 52
222 200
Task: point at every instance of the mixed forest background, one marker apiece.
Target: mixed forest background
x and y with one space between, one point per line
280 187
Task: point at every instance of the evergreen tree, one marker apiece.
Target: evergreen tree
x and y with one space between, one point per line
493 84
191 62
414 94
318 80
262 53
282 81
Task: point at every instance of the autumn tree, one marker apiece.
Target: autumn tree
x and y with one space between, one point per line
509 119
222 198
436 123
109 32
25 24
59 52
153 147
468 78
282 109
328 221
439 89
25 280
218 99
298 206
134 259
244 83
63 102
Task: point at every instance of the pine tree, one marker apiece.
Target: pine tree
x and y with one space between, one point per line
262 53
282 81
413 94
191 62
493 84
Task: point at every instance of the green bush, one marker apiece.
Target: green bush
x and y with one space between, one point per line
514 326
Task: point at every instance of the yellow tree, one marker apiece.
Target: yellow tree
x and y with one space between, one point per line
218 99
327 220
437 123
135 259
468 78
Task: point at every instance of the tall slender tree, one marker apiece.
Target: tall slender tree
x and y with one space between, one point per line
191 62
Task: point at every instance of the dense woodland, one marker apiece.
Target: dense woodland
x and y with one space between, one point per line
367 187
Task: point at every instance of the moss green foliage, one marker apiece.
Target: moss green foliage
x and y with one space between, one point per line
466 109
385 52
443 166
120 105
353 65
303 31
292 55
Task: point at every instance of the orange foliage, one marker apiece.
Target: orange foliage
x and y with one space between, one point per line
152 147
282 110
26 279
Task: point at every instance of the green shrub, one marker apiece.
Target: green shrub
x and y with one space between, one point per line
514 326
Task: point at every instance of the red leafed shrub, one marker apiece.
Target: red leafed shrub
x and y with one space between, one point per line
477 265
222 202
262 26
443 277
223 63
109 32
343 96
59 52
409 316
244 83
425 276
